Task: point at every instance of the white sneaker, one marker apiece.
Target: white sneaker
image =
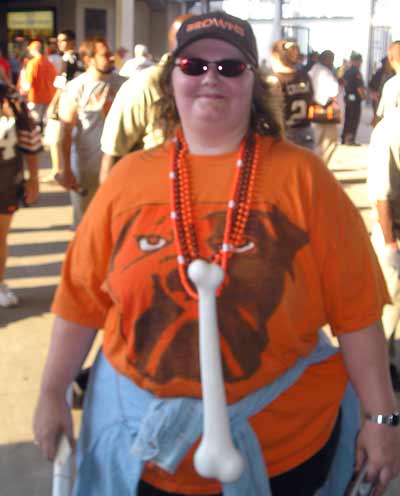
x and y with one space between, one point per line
7 297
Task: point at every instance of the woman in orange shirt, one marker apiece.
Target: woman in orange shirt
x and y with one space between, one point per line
295 255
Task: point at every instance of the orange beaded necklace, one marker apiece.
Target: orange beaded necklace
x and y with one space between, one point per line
237 212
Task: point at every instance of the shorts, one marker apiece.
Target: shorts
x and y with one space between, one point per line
11 187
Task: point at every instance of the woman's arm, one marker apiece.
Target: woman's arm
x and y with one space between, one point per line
70 344
32 183
366 360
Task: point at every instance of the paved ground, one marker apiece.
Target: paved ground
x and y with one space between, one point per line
38 241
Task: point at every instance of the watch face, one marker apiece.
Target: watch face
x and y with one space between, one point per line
394 419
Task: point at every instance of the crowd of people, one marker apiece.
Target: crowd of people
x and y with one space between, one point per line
136 146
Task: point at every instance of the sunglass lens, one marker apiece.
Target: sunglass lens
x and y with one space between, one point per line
226 67
231 68
193 67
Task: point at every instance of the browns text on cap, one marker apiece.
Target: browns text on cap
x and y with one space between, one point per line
222 26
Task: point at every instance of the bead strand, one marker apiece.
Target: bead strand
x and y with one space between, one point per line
238 209
183 257
244 207
187 218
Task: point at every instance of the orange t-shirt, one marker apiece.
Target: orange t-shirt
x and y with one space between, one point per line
306 261
40 74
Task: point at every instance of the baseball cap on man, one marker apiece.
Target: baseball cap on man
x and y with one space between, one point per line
356 56
222 26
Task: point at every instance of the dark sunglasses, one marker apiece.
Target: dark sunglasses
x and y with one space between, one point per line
226 67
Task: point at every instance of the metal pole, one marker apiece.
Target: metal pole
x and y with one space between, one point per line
277 24
205 6
184 7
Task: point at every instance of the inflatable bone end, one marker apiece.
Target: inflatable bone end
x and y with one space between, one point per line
204 274
225 467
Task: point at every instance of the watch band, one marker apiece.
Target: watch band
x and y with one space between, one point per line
393 419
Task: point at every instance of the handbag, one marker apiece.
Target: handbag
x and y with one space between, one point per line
325 114
52 132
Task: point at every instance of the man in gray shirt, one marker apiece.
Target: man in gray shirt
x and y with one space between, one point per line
84 104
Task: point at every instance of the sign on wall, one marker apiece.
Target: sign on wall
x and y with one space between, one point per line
33 20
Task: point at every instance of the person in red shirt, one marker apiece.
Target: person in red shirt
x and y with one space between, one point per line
38 81
5 73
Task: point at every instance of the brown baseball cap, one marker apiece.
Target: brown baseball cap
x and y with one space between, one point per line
222 26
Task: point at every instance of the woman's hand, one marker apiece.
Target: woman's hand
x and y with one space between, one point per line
52 418
70 343
31 190
379 446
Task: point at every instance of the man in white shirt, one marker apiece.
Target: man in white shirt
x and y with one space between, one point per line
391 89
83 107
384 193
326 89
141 60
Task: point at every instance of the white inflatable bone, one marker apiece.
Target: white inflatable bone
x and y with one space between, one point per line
63 465
216 457
63 469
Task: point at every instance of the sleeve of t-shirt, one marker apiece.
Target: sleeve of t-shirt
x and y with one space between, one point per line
380 109
69 98
29 72
80 296
331 84
127 69
353 288
125 124
378 164
73 90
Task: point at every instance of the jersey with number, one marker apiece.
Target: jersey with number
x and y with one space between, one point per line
297 93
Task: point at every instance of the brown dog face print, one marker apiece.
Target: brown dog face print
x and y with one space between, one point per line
164 341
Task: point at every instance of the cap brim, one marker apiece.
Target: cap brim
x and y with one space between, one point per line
216 36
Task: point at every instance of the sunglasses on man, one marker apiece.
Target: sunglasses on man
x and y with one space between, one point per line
229 68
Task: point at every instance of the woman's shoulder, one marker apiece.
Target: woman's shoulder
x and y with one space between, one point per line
287 154
293 164
76 82
138 178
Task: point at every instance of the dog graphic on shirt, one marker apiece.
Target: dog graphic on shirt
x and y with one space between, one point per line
159 320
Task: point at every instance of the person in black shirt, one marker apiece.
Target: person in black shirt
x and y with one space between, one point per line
292 83
355 93
71 67
378 79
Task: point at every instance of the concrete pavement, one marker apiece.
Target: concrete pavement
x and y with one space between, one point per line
38 241
39 238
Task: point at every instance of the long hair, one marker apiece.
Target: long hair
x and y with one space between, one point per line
266 116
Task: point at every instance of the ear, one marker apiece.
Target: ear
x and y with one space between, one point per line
87 61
